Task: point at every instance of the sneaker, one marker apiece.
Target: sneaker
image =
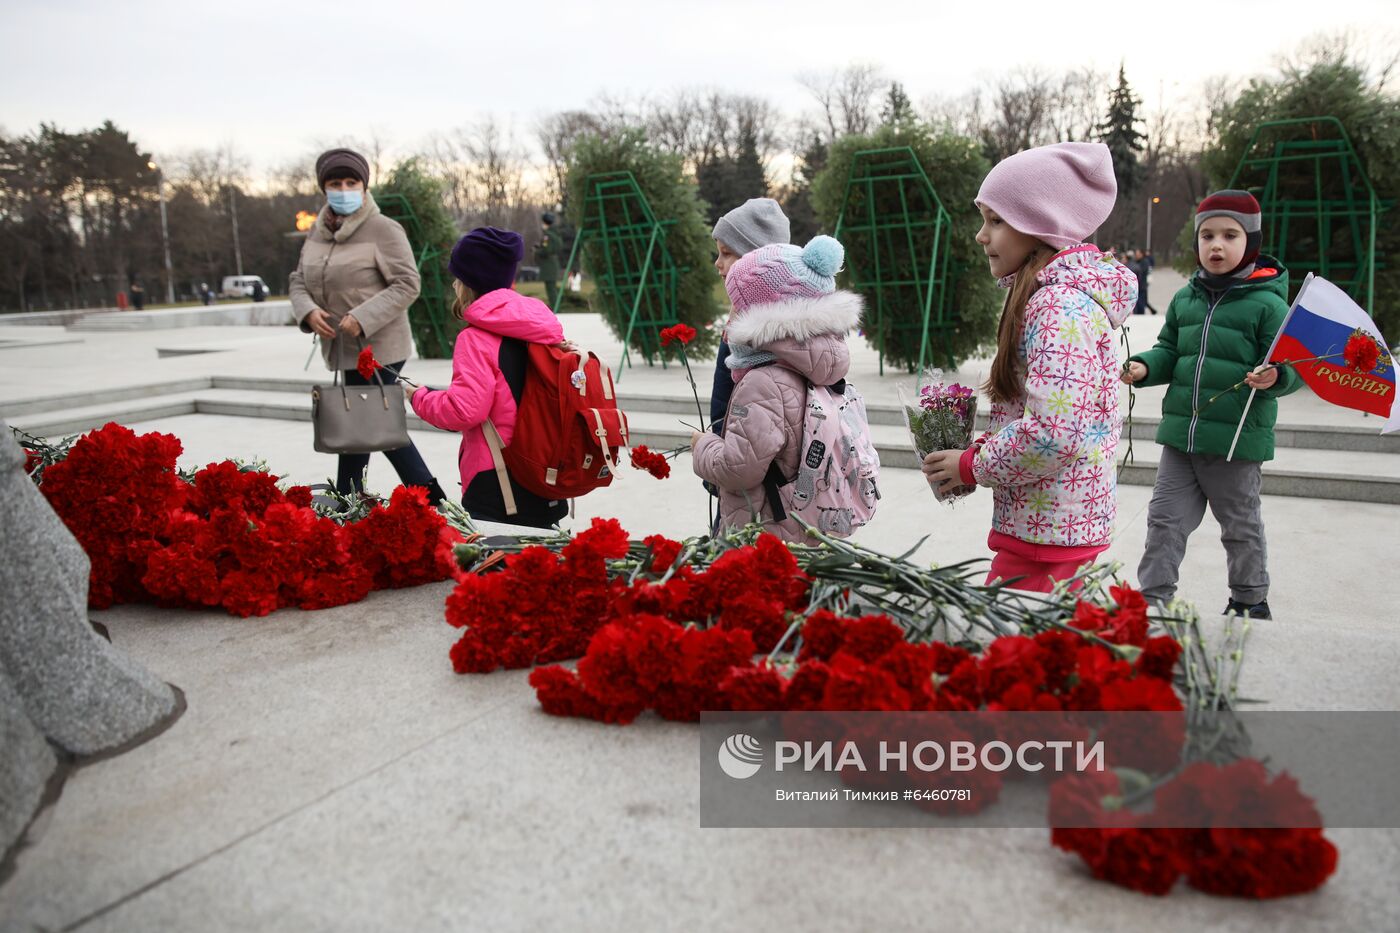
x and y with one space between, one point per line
1259 610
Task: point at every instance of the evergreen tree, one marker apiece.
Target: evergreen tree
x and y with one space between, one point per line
712 180
747 179
431 236
897 110
1120 133
797 200
727 182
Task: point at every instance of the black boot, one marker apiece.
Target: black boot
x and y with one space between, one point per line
1259 610
435 493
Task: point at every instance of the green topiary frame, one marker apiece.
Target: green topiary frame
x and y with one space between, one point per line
430 316
635 275
1331 230
896 232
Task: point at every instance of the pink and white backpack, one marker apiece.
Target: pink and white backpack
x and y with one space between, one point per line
836 488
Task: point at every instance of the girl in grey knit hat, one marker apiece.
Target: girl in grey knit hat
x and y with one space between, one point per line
756 223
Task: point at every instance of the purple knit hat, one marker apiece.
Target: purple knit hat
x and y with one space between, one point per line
782 272
1058 194
486 259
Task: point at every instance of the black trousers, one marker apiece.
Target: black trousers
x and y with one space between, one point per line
407 461
483 501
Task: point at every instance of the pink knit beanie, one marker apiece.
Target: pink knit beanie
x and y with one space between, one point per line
1059 194
782 272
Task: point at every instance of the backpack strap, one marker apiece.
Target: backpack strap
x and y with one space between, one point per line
602 433
493 441
512 360
772 482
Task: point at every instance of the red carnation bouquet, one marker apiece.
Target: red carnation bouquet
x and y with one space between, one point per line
228 535
657 464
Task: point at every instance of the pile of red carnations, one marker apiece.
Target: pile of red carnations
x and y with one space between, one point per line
545 606
663 636
230 537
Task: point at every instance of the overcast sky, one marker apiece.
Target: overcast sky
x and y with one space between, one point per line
277 77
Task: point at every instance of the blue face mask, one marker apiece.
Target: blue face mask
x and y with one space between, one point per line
345 202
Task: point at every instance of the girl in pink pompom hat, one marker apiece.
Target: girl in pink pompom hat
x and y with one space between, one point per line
1049 453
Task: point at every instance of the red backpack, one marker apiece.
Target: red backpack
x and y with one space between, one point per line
568 428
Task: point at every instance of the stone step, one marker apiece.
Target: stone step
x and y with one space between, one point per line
1144 427
1313 474
272 313
1297 471
88 398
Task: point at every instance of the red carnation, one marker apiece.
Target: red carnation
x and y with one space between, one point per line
366 365
1361 353
680 333
654 463
753 688
664 552
1159 657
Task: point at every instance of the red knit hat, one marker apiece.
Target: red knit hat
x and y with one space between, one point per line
1243 209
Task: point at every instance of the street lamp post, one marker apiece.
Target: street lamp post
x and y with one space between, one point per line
164 234
1150 201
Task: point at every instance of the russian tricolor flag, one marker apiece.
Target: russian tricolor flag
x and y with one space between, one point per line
1322 319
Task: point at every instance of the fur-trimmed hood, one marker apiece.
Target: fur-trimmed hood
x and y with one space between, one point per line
807 335
798 319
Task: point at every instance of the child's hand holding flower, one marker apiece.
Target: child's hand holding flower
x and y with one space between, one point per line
941 469
1263 377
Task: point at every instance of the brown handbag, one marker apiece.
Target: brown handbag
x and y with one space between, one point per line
358 419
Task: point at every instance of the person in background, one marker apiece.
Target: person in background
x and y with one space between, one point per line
547 252
1134 260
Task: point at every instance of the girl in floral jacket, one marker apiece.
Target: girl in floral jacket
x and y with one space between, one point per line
1049 454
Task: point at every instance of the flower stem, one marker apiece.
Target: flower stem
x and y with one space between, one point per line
694 389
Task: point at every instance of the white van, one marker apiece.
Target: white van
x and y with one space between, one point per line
241 286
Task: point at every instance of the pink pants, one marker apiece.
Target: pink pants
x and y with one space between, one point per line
1039 566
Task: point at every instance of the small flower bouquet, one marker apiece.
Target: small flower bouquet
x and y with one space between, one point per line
942 418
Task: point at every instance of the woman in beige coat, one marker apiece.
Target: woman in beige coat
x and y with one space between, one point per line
352 287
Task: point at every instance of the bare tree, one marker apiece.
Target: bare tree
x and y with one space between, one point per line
209 172
498 169
707 127
1076 106
557 134
846 97
1019 113
963 115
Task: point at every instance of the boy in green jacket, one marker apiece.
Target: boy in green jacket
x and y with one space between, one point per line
1217 330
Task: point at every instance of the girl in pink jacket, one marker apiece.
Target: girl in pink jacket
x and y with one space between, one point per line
488 372
1049 454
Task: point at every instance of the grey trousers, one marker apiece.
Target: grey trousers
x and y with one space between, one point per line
1186 484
